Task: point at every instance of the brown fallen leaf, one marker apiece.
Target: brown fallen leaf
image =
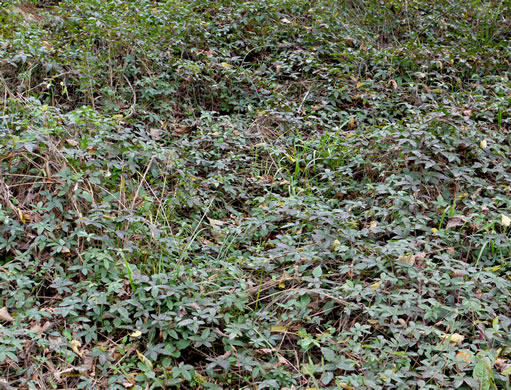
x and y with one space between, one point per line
5 316
502 365
184 129
38 328
154 133
72 142
283 361
410 259
457 220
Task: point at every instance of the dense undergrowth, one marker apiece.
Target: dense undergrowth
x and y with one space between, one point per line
255 195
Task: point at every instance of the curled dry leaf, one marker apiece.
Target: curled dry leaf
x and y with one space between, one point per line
5 316
215 223
502 365
70 372
144 360
283 361
402 322
72 142
38 328
183 129
193 305
75 345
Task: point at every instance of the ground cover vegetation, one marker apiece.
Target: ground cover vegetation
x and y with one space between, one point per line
278 194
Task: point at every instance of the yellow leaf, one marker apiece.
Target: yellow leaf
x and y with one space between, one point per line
407 259
346 387
290 158
47 45
495 268
507 371
145 360
466 356
506 221
136 334
336 245
373 224
225 65
375 286
278 329
434 230
454 338
352 123
24 218
75 345
122 187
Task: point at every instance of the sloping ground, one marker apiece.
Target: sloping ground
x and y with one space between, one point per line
255 195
